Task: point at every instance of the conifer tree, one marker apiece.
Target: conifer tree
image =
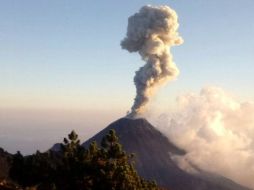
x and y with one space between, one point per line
104 167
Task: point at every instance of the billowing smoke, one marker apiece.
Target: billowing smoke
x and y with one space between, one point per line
151 32
216 130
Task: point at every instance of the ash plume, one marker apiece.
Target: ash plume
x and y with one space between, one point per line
152 32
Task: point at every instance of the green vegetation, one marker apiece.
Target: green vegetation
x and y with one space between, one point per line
104 167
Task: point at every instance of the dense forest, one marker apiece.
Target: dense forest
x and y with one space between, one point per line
98 167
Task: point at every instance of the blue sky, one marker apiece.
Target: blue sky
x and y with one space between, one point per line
66 54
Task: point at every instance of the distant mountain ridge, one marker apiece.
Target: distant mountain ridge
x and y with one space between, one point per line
152 157
5 159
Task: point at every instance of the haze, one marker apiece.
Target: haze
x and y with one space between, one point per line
62 68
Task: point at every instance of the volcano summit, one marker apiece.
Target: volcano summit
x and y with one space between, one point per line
153 158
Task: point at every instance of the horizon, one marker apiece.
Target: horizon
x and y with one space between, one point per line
65 67
54 47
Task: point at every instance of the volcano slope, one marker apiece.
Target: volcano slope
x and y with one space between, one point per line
153 157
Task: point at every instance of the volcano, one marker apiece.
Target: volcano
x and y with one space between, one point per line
153 158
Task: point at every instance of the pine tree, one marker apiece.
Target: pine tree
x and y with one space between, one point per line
104 167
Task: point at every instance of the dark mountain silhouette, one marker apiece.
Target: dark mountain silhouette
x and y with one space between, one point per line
5 159
152 157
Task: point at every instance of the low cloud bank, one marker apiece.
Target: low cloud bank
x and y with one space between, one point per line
216 130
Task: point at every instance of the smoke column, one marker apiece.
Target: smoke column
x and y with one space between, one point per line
152 32
216 130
